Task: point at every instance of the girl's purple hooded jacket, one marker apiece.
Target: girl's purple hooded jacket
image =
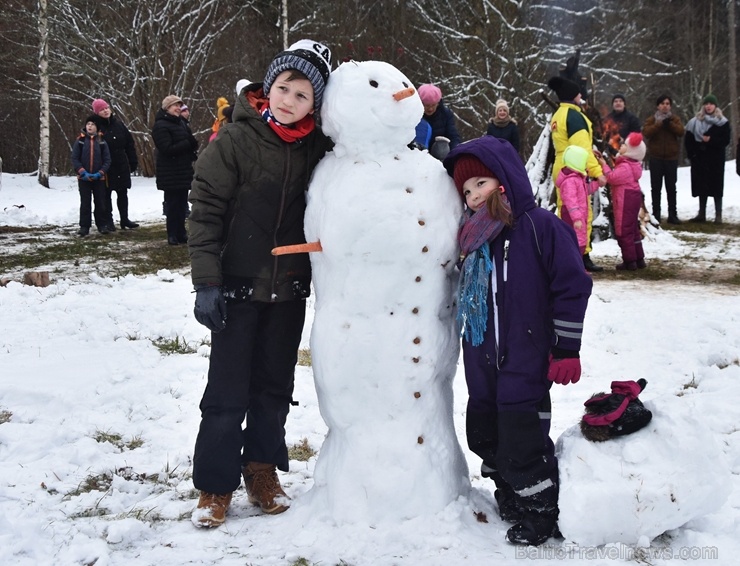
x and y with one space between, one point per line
542 288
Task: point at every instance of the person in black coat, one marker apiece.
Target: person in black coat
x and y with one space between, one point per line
707 137
123 161
441 119
502 125
176 151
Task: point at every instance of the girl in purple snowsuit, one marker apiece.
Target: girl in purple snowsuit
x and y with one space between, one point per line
522 300
627 200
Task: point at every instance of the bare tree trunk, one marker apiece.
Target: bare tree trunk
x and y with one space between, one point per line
44 94
732 75
284 24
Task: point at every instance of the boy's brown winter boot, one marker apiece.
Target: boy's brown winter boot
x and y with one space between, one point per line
264 489
211 510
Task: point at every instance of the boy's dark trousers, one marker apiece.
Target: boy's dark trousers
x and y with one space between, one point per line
93 191
176 208
252 371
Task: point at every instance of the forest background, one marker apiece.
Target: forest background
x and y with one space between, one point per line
56 56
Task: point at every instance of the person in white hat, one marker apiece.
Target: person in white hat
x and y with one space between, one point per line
627 200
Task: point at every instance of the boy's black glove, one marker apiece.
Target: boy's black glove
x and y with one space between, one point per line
210 307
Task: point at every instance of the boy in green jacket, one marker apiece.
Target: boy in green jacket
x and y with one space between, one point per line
247 197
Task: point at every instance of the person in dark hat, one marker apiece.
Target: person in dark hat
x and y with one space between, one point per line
570 126
248 196
91 161
707 136
625 120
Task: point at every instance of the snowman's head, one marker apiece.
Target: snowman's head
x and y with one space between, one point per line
370 107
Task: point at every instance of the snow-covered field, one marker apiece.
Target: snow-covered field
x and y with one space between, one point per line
78 362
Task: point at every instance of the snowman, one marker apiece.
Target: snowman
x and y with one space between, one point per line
384 343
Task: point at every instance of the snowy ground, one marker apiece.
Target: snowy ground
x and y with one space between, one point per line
77 361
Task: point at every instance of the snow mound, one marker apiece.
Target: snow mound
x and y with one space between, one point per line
643 484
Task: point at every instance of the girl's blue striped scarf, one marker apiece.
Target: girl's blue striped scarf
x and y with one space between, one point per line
476 266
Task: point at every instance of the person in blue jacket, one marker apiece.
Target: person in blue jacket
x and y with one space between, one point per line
91 160
521 304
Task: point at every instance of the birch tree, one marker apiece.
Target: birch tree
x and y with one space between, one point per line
732 74
43 94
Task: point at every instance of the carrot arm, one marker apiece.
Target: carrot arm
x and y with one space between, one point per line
297 248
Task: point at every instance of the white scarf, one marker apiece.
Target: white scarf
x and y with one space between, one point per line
703 121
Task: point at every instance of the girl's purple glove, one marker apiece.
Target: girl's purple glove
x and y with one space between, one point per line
564 371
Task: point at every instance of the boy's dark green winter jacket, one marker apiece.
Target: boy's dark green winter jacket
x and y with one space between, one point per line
248 196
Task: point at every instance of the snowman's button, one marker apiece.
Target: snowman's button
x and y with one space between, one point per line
417 394
409 190
415 310
418 278
417 340
424 249
421 223
420 440
416 359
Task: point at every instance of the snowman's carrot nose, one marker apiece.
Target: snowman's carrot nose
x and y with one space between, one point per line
297 248
405 93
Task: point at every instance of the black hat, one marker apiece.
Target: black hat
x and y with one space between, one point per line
565 89
618 95
617 413
92 118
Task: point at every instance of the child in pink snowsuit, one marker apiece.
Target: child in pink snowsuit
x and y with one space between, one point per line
574 191
627 200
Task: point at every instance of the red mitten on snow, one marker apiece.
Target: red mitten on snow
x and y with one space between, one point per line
564 371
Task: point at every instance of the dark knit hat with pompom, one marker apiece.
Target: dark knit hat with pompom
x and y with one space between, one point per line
311 58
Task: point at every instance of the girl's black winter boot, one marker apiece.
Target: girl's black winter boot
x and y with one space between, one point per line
509 505
540 520
534 529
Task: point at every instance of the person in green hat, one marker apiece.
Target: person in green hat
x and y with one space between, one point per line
707 137
574 192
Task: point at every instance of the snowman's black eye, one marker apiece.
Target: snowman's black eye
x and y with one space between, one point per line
405 85
374 84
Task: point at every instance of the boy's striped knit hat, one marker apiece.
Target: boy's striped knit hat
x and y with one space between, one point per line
311 58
